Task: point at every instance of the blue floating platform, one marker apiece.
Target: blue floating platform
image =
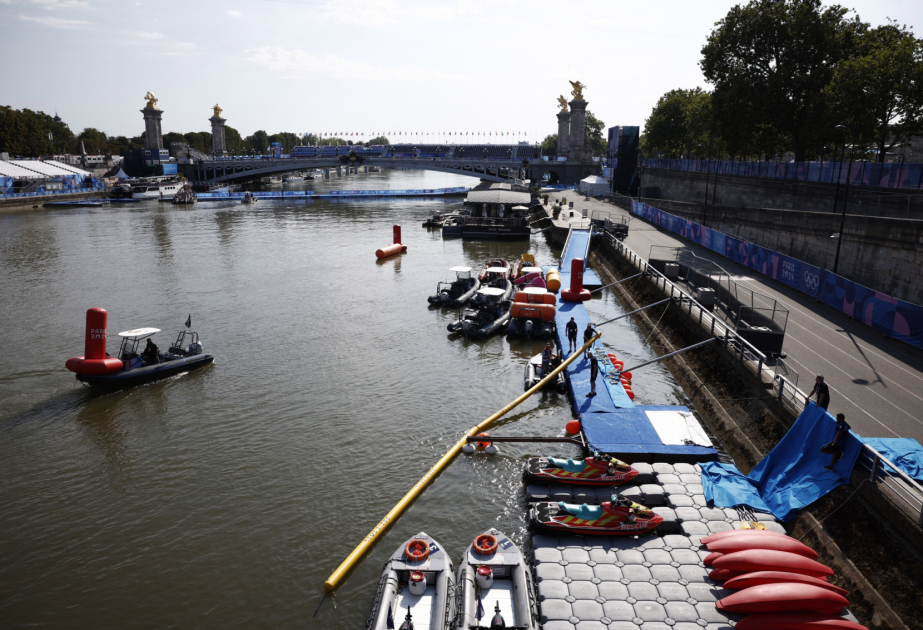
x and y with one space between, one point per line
611 422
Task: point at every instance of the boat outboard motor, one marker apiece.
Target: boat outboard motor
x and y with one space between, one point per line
497 621
529 327
408 622
445 297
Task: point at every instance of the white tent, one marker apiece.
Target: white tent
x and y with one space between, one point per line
593 186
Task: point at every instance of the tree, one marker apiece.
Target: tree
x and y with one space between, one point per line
258 142
681 125
233 142
380 140
287 139
770 62
879 93
594 134
24 132
94 141
550 144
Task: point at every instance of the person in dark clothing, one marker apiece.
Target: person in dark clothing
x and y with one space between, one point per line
547 357
835 448
822 392
587 335
571 330
150 356
594 372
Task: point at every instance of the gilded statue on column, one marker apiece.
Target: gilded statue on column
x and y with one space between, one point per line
577 92
562 103
151 100
217 110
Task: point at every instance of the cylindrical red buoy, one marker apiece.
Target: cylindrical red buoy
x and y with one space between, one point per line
618 364
631 394
572 427
483 445
94 360
612 357
626 375
95 345
394 248
576 292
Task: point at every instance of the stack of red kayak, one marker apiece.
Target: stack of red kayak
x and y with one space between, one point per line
778 582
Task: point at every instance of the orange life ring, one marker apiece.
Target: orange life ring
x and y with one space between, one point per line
485 544
417 549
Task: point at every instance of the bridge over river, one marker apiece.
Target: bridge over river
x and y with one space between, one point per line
492 162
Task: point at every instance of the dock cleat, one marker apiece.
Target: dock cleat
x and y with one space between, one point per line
598 470
618 516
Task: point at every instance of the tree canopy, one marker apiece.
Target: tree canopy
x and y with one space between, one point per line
681 125
550 144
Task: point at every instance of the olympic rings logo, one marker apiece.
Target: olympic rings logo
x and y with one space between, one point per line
811 280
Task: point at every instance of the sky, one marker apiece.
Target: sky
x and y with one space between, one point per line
359 66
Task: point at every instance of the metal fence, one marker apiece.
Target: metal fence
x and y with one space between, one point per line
899 488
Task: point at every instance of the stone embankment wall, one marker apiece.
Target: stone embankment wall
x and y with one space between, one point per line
882 237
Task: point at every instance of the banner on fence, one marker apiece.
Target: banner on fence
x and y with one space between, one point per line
886 314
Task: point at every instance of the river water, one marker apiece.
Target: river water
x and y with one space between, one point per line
223 498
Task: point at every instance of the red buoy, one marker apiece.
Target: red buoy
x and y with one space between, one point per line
94 360
395 248
485 444
572 427
576 292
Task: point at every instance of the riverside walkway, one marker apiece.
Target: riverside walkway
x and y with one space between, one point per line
876 382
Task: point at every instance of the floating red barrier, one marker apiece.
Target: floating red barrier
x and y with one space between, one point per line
751 560
773 577
779 543
394 248
785 597
573 427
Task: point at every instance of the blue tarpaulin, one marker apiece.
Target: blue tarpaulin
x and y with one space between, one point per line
791 476
905 453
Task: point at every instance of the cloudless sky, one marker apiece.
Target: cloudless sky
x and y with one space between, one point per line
359 65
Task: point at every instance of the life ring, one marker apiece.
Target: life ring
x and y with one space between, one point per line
485 544
417 549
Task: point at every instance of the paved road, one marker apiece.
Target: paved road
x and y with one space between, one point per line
876 382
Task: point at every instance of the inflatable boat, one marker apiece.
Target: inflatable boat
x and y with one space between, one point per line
416 586
598 470
496 267
617 517
532 313
534 373
457 292
492 314
97 369
494 580
526 261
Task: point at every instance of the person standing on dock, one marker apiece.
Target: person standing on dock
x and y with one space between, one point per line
571 330
587 335
822 391
594 372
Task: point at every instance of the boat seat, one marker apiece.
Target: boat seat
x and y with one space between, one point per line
585 512
570 465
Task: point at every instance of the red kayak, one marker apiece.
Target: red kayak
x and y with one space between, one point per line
616 517
731 544
773 577
705 540
785 597
751 560
598 470
797 621
710 558
721 575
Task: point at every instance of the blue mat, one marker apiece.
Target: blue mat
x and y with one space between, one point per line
905 453
791 476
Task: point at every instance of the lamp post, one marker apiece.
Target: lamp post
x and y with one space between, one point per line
839 240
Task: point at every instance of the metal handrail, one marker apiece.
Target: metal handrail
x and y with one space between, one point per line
788 392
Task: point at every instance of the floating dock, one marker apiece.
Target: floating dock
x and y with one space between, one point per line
610 421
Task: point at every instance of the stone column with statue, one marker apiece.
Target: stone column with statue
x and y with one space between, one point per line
563 128
579 148
219 146
153 133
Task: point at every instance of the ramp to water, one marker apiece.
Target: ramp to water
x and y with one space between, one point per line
578 246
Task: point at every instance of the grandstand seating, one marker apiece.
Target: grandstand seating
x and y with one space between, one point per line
35 169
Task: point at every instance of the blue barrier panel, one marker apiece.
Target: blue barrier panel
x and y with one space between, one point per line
911 175
886 314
